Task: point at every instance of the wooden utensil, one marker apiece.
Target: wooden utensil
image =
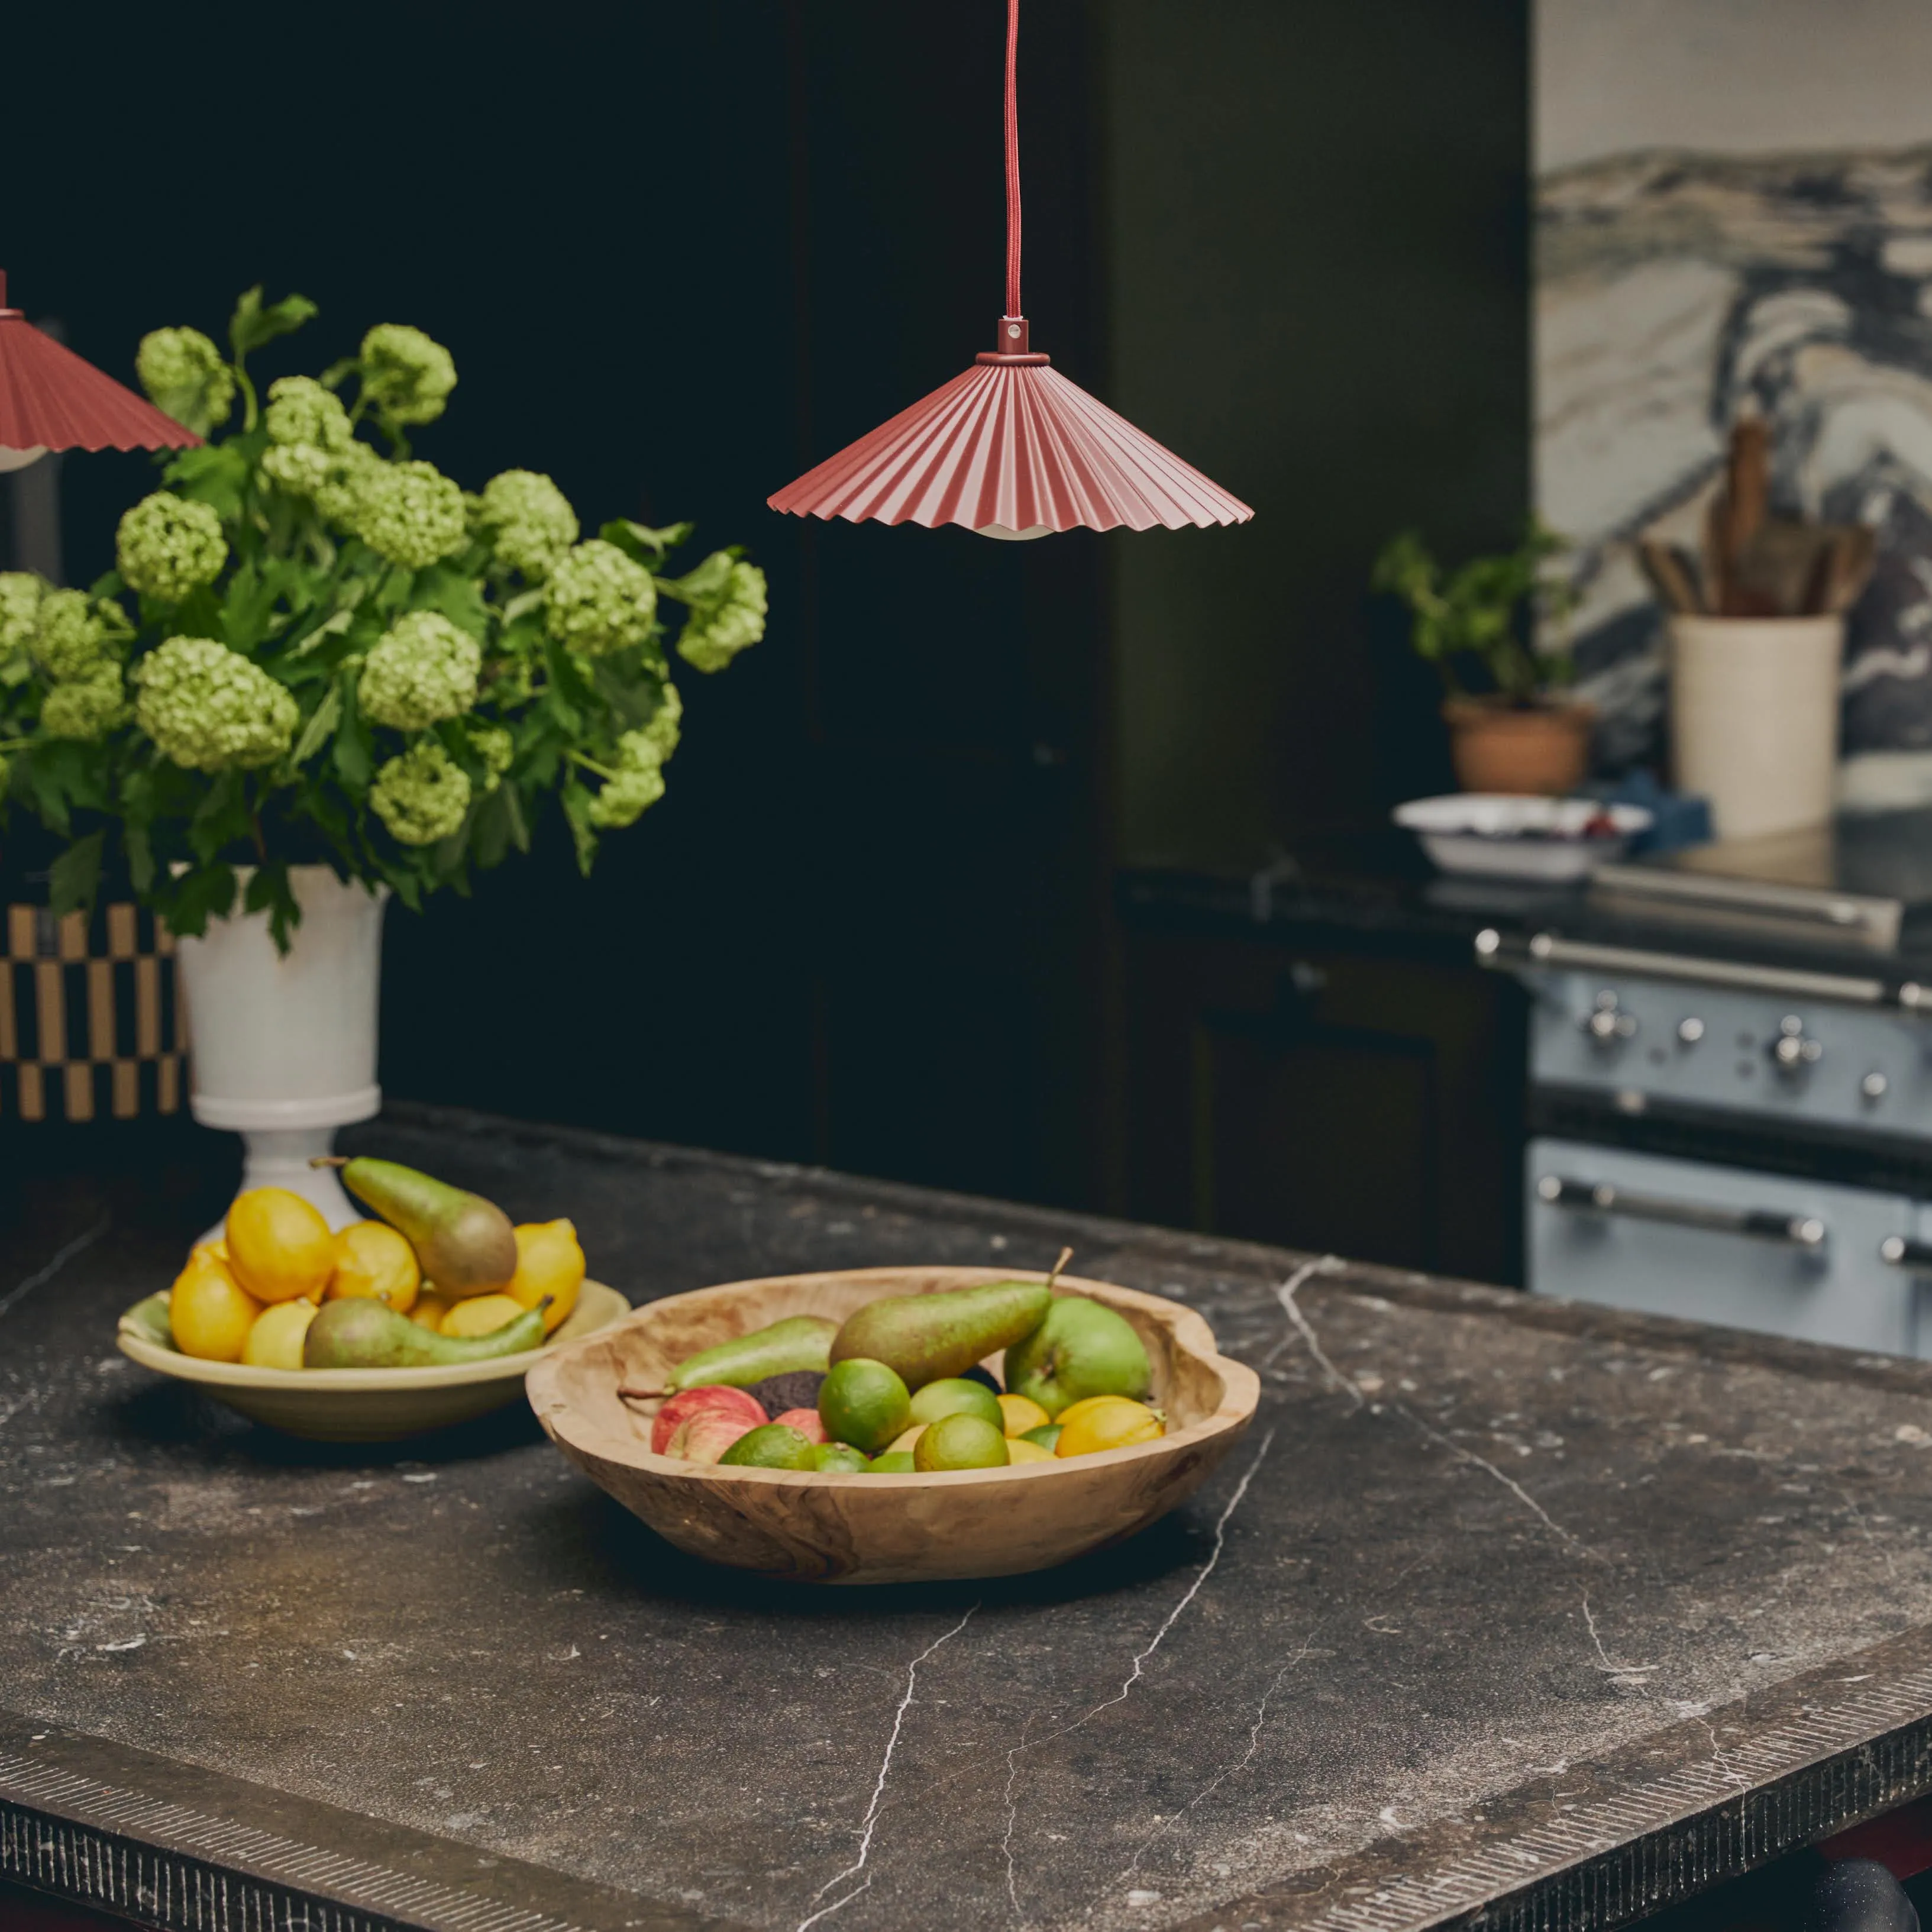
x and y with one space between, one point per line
1672 573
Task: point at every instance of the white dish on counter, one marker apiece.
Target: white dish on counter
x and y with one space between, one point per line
1504 837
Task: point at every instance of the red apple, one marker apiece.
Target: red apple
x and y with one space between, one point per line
806 1422
707 1435
692 1402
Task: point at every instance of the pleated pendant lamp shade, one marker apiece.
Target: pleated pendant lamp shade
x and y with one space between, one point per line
50 398
1011 448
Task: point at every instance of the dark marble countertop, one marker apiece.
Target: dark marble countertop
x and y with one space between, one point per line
1506 1609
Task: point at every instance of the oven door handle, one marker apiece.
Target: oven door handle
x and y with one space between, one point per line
1795 1231
1901 1251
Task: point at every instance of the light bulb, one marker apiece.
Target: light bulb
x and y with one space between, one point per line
1007 534
19 459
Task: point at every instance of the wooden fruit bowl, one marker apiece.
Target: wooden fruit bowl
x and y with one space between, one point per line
884 1529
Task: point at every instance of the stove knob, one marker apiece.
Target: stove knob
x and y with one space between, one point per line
1791 1052
1690 1031
1874 1086
1607 1026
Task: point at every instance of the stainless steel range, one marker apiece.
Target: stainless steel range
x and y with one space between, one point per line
1731 1068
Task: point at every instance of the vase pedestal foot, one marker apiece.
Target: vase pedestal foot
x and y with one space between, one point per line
280 1156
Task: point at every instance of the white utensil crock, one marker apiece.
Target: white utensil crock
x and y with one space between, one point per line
282 1047
1754 719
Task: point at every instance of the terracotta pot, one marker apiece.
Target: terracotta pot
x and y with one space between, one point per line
1537 751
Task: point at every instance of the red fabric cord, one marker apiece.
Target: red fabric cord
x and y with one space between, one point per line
1012 158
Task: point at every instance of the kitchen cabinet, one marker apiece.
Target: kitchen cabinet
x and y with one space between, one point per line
1327 1097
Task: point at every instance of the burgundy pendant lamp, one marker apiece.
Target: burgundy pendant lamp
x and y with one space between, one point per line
1011 448
50 398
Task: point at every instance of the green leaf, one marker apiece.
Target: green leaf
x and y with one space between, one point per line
140 856
251 325
203 892
582 833
74 877
643 545
217 474
458 598
354 749
323 721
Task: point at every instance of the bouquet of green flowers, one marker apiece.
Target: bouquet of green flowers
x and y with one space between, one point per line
311 651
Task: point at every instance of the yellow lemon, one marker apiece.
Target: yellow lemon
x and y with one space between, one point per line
1105 1422
906 1440
372 1259
209 1311
480 1315
1018 1450
549 1262
275 1341
430 1308
1021 1413
279 1246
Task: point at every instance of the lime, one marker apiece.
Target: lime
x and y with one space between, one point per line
1047 1435
838 1459
775 1446
952 1395
961 1442
896 1463
1019 1449
863 1403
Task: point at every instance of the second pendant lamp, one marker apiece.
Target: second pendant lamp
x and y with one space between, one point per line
1011 448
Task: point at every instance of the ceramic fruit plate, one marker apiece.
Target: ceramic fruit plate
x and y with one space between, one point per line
358 1405
1499 836
884 1529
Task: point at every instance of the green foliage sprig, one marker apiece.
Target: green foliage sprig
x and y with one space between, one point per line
310 651
1487 610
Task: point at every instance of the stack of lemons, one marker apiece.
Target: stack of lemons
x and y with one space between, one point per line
250 1296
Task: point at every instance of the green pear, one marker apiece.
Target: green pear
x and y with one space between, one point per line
925 1337
800 1342
465 1243
1081 1349
359 1332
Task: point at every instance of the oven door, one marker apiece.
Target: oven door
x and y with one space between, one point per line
1784 1254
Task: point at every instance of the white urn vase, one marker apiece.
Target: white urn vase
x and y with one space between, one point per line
282 1047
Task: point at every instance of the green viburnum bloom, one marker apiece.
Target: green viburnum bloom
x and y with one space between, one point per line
727 611
69 641
496 748
421 796
598 601
301 411
209 709
167 546
20 592
406 375
86 708
421 669
638 784
662 731
529 521
409 512
185 377
302 469
338 498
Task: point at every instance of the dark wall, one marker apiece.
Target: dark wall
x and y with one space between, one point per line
1318 293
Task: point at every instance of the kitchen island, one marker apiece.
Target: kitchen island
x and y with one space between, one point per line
1503 1607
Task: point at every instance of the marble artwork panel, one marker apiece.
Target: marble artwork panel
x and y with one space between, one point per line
1676 288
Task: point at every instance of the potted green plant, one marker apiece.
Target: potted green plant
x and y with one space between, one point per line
1514 732
320 673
